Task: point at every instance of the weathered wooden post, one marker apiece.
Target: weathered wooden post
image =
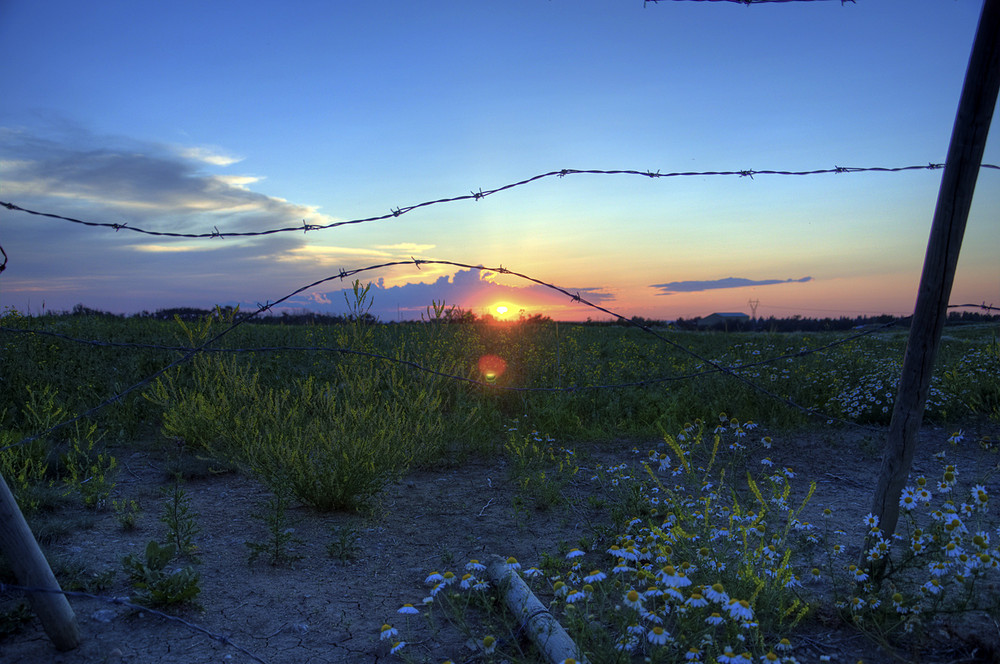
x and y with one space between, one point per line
33 571
965 155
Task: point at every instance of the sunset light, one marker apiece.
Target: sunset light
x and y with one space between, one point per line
245 198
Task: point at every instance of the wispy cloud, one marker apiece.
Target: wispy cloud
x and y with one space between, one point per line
208 155
331 256
713 284
406 247
164 188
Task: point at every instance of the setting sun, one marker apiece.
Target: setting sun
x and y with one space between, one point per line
501 310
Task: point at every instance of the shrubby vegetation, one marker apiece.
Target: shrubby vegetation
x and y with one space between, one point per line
339 410
853 381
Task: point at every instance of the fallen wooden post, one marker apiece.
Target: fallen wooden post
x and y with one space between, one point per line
31 569
541 626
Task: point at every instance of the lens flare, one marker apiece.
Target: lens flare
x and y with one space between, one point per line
492 367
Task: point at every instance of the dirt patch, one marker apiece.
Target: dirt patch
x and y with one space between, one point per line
324 609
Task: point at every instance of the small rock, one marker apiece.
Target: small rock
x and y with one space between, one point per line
104 615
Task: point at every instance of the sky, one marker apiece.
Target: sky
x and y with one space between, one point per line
197 117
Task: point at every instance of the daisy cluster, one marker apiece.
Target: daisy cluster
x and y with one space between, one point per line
974 379
865 381
698 572
858 380
943 556
868 395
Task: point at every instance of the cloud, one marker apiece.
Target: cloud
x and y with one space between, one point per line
64 169
728 282
208 155
158 187
407 247
331 256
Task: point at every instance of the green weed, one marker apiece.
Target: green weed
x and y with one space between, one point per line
126 513
539 471
155 583
281 535
87 471
344 546
181 522
700 567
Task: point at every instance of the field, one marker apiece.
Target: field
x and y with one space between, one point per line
290 491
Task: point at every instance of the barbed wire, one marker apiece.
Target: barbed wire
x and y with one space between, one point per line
474 196
983 306
119 601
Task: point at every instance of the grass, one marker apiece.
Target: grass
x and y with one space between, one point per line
854 381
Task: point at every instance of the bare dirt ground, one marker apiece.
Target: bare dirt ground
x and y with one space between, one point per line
322 609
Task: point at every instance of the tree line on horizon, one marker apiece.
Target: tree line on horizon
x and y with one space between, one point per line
457 315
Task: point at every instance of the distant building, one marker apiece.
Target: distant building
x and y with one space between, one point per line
723 320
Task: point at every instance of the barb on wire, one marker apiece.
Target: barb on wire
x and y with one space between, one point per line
221 638
983 306
475 196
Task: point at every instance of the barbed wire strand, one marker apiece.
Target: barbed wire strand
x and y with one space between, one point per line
982 306
473 196
221 638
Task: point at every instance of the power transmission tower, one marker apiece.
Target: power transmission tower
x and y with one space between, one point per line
753 308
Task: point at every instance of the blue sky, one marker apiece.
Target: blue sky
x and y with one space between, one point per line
189 116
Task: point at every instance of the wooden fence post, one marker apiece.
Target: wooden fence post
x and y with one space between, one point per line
33 571
965 154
